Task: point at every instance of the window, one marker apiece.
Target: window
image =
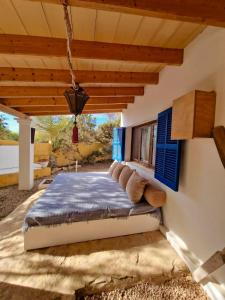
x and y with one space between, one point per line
144 143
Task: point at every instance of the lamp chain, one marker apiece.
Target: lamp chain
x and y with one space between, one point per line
69 32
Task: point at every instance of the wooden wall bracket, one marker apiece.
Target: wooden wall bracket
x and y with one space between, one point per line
219 138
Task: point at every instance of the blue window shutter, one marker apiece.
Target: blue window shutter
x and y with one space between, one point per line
118 143
168 152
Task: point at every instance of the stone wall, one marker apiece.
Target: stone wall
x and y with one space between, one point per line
77 152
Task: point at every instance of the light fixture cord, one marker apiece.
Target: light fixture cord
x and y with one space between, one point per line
69 32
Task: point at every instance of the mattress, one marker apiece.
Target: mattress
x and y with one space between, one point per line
75 197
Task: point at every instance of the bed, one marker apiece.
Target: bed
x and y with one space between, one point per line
78 207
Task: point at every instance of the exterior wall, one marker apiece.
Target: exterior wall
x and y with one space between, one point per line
8 142
42 151
9 161
12 178
67 157
9 154
195 214
9 157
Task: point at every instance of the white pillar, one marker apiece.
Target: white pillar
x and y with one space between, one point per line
26 155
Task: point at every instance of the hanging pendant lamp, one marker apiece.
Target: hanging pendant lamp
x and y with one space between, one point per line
76 96
76 99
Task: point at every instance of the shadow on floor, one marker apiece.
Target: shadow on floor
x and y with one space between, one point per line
109 244
16 292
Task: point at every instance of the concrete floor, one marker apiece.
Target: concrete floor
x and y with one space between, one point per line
56 272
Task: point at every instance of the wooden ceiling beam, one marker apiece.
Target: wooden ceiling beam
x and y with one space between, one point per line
13 112
196 11
64 108
56 47
23 91
51 113
82 76
32 102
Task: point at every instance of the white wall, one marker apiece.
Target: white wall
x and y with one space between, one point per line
9 157
196 213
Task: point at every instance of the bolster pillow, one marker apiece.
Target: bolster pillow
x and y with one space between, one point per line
154 196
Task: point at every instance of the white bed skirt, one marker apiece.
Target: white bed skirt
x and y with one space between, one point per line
46 236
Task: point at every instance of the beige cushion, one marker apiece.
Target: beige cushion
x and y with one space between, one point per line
124 176
112 167
116 172
154 196
135 187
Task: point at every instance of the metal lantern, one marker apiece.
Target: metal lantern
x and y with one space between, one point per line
76 99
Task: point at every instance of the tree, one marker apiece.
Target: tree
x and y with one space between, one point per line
86 125
14 136
3 125
50 129
58 130
104 132
5 133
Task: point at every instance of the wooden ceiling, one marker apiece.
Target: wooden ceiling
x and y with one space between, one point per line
119 47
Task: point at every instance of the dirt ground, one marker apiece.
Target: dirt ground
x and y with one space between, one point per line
179 288
11 197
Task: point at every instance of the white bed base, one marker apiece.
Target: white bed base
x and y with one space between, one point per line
46 236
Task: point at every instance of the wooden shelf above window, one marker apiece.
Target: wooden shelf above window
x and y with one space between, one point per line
193 115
